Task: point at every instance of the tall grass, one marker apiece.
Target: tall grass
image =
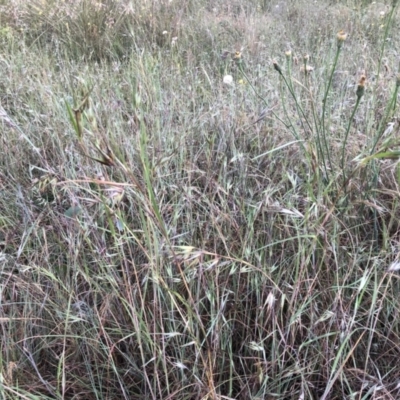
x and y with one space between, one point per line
166 235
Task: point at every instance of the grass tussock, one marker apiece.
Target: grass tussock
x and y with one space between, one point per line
199 201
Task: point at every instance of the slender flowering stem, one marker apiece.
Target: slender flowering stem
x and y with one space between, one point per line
341 37
359 93
239 63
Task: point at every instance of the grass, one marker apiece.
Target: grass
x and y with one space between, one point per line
166 235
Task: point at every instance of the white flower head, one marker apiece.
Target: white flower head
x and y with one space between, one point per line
228 80
394 266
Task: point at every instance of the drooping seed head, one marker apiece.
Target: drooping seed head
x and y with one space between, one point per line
397 80
276 66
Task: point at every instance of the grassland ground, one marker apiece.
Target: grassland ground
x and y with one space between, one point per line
199 200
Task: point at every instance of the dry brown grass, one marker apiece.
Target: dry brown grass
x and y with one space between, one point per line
156 242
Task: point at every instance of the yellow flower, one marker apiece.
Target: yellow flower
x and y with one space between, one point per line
361 86
237 58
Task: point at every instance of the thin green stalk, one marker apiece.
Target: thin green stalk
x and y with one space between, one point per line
341 37
300 111
379 133
385 37
239 64
360 93
388 114
314 114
